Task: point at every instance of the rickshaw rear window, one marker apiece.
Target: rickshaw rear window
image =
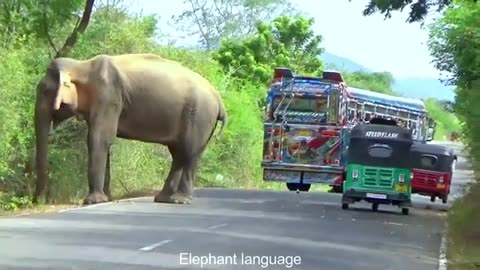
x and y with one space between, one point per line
380 151
428 161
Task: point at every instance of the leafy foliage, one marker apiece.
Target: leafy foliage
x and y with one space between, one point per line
286 42
418 9
376 81
455 46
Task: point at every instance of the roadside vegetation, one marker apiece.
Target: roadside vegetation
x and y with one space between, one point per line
455 45
240 44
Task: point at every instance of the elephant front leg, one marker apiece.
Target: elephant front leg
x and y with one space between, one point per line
100 137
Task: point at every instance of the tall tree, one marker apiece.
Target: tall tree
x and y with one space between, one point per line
286 41
43 18
418 9
381 82
212 20
455 45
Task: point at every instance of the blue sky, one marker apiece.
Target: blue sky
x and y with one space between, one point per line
381 45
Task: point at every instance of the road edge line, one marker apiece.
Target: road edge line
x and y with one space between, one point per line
442 257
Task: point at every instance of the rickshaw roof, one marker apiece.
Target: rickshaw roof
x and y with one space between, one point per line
433 149
378 131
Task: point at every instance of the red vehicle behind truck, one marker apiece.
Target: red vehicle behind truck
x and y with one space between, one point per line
432 170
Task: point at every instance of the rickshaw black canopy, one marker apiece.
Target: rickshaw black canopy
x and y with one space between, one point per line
380 145
432 157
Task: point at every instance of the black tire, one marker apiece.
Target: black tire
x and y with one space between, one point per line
344 206
445 199
433 198
292 186
305 187
337 189
299 187
405 211
375 207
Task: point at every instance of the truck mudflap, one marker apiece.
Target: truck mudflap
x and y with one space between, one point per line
301 173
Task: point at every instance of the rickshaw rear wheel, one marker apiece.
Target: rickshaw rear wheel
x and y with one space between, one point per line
375 206
445 199
405 211
433 198
344 206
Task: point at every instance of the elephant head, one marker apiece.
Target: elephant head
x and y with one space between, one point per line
56 101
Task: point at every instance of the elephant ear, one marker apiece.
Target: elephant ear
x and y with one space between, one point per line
66 93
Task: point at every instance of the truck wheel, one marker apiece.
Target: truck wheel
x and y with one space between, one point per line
445 199
299 187
405 211
433 198
344 206
375 206
292 186
305 187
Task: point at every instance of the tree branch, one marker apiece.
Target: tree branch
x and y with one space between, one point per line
82 26
46 29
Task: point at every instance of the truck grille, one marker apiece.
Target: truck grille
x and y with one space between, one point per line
374 177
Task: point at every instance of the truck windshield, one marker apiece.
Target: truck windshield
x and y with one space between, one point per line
303 104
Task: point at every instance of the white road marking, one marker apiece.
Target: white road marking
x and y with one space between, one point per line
442 258
152 246
217 226
394 223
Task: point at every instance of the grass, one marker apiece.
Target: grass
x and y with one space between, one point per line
464 231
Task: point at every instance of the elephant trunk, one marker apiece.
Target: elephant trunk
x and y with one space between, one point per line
43 119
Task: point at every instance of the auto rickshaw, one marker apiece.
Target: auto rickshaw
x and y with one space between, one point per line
433 167
378 168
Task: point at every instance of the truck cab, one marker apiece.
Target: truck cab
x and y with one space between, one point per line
304 128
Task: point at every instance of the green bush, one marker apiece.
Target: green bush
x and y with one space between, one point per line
446 122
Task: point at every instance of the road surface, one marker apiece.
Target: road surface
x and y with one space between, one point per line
231 229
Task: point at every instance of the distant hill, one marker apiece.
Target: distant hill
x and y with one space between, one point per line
414 87
333 61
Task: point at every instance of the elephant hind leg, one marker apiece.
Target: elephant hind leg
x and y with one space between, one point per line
198 146
187 181
170 187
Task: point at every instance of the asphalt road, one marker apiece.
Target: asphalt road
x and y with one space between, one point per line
291 231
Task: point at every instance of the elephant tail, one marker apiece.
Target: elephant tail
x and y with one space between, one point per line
222 116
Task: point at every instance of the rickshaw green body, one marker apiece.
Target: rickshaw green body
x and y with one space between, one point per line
378 169
378 180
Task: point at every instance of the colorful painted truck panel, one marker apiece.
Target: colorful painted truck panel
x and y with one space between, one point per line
304 130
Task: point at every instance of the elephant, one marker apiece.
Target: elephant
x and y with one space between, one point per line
142 97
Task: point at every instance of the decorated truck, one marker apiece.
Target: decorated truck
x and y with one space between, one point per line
305 128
